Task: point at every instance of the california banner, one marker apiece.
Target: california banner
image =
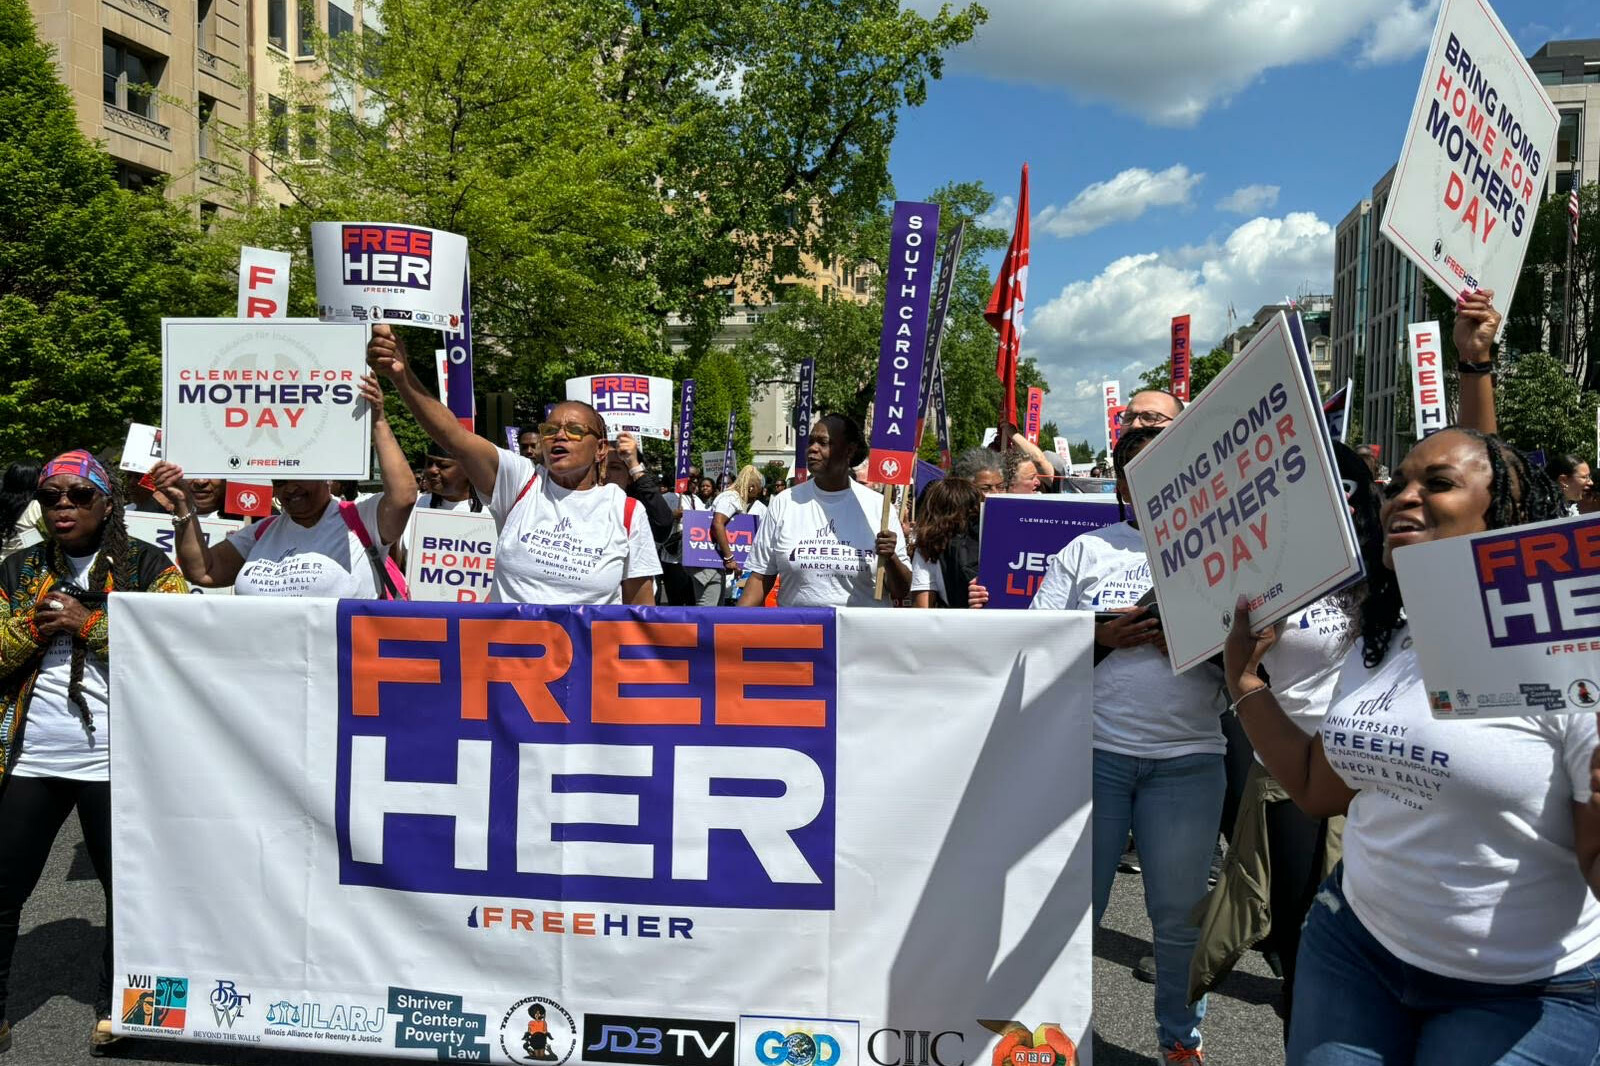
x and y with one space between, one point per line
516 834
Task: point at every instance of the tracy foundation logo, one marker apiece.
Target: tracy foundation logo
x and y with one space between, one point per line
775 1040
537 1029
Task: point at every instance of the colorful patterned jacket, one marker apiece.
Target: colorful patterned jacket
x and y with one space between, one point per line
25 578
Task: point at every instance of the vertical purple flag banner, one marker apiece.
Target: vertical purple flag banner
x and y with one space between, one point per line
908 290
933 371
512 433
458 359
727 452
680 476
805 400
941 417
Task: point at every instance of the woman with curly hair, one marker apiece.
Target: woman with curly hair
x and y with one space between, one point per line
946 547
1464 921
54 691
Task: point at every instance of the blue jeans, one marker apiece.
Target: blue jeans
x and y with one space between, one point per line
1355 1004
1173 807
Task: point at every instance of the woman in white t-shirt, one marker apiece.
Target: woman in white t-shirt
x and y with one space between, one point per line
820 542
565 538
732 502
318 546
1464 922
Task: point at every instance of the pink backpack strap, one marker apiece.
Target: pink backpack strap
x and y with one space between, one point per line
261 526
391 582
352 518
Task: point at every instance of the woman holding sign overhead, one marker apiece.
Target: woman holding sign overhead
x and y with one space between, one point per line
821 537
1464 923
319 546
565 536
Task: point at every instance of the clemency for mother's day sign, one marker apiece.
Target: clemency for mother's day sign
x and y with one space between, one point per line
1240 495
1473 167
273 398
1019 534
381 272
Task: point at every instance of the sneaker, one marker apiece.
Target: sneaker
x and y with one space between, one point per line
1184 1056
1145 969
1129 863
5 1037
101 1038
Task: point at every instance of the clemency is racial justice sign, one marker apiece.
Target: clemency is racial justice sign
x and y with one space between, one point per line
1473 167
1505 622
273 398
381 272
1240 494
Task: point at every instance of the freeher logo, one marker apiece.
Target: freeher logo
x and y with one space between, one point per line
398 257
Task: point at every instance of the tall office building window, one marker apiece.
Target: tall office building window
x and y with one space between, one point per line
340 21
129 78
306 45
206 114
1568 138
278 24
306 128
278 124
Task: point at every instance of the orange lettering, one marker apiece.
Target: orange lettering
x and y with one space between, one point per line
369 670
611 671
735 673
530 677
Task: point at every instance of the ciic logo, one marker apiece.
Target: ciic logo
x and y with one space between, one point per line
227 1003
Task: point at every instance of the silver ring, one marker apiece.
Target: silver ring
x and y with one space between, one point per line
54 605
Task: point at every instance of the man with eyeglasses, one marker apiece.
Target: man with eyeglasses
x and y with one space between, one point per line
1152 407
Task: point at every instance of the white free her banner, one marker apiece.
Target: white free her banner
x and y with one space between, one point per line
273 398
507 833
1241 494
1507 622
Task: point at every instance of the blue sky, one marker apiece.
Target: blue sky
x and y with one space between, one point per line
1185 154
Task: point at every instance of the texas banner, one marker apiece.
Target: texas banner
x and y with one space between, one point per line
1240 495
1019 534
273 398
1504 621
515 834
381 272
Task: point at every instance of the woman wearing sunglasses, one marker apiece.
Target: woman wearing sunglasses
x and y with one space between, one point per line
54 691
565 536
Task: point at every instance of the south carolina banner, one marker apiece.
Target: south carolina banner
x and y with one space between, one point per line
503 833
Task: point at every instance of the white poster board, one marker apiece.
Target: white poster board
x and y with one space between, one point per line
381 272
711 464
450 557
1474 164
265 398
263 283
625 859
142 449
156 528
629 403
1507 623
1240 494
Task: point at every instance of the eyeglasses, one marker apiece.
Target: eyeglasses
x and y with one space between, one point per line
1143 418
78 495
569 430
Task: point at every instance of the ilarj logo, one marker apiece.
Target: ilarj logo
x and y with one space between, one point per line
1583 693
234 462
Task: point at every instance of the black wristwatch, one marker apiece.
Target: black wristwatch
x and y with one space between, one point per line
1485 367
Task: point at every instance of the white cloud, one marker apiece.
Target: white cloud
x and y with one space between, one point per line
1115 325
1249 199
1172 60
1120 199
1003 215
1403 31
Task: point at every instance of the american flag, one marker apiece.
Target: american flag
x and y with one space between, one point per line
1572 210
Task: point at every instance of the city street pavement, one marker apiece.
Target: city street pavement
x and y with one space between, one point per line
53 975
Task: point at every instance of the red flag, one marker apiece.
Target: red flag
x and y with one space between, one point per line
1004 312
248 499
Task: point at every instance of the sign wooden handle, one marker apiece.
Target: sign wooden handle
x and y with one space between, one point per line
883 527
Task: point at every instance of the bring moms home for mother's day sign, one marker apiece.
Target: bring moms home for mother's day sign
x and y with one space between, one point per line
1240 494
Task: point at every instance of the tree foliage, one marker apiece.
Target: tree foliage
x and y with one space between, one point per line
1202 372
721 385
87 269
1540 406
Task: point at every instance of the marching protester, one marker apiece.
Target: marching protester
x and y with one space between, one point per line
737 499
451 492
19 510
625 469
1470 912
980 466
1158 745
1278 855
565 536
318 546
1572 477
946 554
55 693
1021 473
821 537
528 444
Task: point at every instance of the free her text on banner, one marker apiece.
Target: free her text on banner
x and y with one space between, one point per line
636 834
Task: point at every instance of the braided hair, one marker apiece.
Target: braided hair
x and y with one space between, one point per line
1130 444
1519 493
114 561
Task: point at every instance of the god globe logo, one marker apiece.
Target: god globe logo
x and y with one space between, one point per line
797 1049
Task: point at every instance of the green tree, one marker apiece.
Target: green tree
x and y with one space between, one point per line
87 269
1082 452
1048 434
1201 372
721 385
1540 406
